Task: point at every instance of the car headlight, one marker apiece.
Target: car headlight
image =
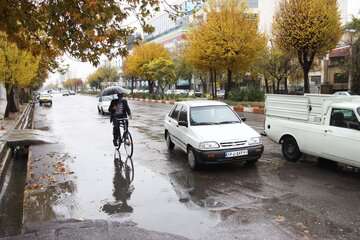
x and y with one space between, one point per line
255 141
209 145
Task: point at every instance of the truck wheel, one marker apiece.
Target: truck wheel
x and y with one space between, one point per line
290 149
170 145
193 162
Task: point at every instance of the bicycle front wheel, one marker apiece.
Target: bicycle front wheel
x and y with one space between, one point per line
128 144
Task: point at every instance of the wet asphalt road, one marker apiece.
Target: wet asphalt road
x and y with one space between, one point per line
273 200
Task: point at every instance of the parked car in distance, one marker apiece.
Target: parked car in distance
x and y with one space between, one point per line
45 99
324 126
65 93
71 92
198 93
221 93
210 132
343 93
104 103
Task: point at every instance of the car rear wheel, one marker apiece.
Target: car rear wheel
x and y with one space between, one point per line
290 149
192 160
170 145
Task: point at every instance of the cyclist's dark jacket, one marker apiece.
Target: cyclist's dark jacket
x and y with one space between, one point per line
119 109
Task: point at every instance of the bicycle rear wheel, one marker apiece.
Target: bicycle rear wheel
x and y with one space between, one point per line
128 144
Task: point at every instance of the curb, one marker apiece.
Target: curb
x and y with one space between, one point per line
255 109
238 108
152 100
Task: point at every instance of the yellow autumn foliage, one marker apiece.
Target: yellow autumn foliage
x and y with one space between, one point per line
308 28
18 68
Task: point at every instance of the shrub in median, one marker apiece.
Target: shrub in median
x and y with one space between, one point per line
247 94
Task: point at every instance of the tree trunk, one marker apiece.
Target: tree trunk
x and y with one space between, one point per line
212 83
151 86
286 85
267 89
229 83
203 84
278 86
306 80
355 69
11 106
132 85
215 87
273 86
306 59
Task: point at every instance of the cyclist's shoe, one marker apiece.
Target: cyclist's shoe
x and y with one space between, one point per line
127 142
115 143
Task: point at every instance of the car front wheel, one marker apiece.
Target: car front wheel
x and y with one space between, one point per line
170 145
192 160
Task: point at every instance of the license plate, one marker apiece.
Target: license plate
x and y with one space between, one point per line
236 153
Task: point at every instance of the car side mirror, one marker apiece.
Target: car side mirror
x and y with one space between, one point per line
241 116
183 123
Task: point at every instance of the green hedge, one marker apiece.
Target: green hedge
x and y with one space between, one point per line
247 94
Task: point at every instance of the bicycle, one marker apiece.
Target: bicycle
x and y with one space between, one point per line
125 139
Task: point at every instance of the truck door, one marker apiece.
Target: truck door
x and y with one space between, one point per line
342 137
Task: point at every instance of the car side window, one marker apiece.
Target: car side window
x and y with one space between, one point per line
183 114
100 99
175 112
344 118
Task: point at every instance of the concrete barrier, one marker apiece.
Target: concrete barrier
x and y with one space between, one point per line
25 120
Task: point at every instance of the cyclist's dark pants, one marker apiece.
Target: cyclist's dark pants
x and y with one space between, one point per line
116 127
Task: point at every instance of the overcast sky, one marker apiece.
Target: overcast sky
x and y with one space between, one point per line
82 70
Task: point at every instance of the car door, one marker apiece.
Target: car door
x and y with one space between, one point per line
183 131
342 137
172 122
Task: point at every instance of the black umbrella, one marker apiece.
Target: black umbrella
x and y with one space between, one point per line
113 91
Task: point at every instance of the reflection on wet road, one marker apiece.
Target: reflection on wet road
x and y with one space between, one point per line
290 201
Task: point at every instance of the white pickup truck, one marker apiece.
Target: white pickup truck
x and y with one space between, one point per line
324 126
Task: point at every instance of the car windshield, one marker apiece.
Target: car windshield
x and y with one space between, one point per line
212 115
44 95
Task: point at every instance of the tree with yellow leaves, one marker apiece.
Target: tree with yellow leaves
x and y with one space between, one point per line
229 40
18 69
141 56
130 70
307 28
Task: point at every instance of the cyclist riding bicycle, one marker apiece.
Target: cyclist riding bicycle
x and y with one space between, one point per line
119 109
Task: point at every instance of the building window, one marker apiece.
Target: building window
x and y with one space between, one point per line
341 78
253 3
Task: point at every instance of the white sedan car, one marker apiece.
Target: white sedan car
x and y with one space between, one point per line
210 132
104 103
